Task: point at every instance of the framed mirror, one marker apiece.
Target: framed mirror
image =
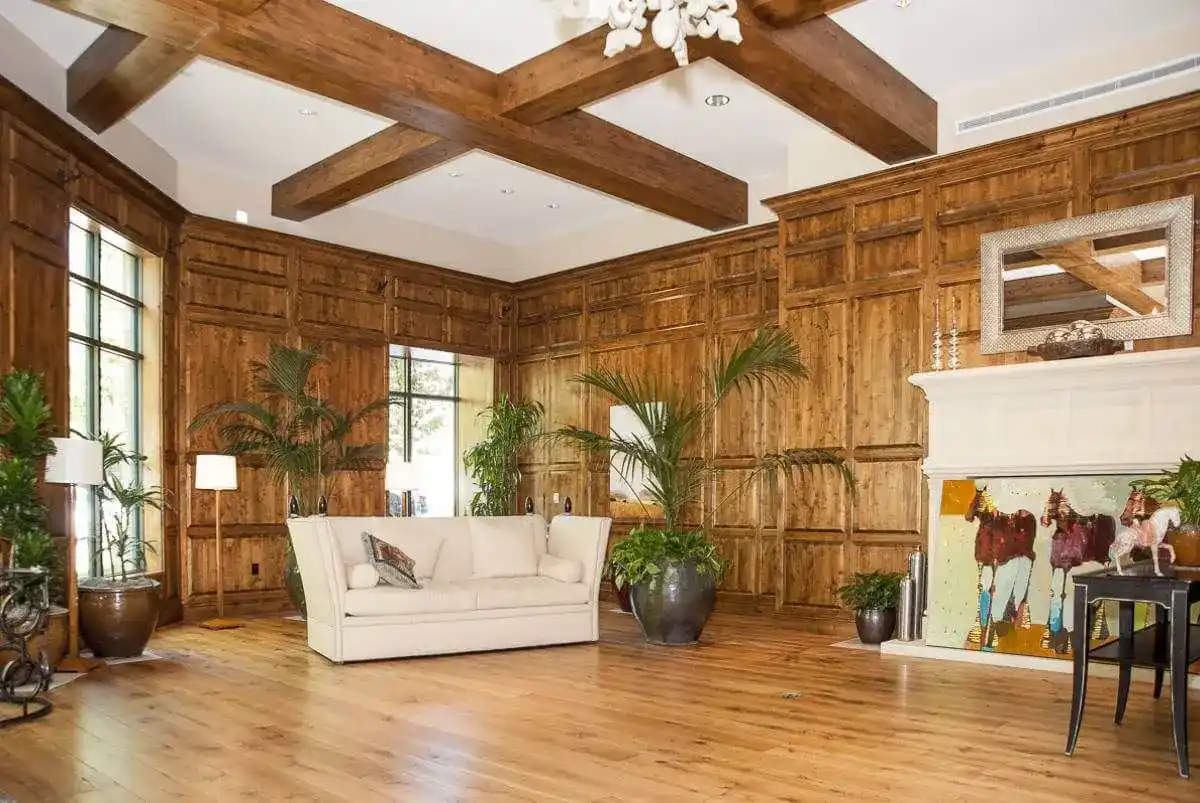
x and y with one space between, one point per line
1129 271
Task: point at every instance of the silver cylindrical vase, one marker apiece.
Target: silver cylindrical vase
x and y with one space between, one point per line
904 611
917 570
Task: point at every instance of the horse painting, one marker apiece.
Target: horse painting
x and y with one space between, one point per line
1144 523
1005 554
1077 539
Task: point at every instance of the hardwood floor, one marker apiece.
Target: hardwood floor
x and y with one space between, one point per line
254 715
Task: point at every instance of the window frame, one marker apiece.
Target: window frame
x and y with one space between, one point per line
404 354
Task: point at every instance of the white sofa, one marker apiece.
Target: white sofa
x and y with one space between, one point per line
461 606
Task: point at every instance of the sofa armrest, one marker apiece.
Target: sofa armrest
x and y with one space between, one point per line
583 539
321 569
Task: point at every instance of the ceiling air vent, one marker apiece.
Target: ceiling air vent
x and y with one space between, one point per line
1147 76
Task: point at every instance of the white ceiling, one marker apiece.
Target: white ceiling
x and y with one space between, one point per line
218 117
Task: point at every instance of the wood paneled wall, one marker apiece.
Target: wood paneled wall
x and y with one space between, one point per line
246 288
852 269
46 167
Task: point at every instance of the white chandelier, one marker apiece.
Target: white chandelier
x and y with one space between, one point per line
674 21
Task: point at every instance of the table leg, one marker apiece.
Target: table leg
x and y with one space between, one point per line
1160 648
1125 623
1079 644
1179 677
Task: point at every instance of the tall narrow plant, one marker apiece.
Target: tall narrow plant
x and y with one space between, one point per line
492 463
302 438
123 499
674 421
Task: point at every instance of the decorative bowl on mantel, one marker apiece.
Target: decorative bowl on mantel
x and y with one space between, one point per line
1070 349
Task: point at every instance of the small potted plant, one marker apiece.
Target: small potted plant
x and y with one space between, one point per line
118 611
873 596
1181 489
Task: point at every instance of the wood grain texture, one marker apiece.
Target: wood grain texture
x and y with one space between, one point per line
117 73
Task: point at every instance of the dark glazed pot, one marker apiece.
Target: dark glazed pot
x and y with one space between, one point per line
116 621
875 626
293 583
623 598
1186 542
675 609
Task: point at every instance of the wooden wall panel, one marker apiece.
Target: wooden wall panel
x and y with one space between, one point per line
852 270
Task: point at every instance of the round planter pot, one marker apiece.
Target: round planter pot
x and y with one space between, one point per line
623 598
875 626
117 620
1186 542
675 608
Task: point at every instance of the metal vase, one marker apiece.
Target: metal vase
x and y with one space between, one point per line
875 625
918 571
674 608
904 611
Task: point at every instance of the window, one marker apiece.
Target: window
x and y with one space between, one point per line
423 430
106 360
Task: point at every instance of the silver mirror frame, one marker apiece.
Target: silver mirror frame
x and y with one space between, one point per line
1177 216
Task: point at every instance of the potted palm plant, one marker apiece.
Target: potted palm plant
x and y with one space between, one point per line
874 597
1180 488
25 543
118 610
300 436
492 463
673 569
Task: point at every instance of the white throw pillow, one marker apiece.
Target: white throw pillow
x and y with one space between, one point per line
560 569
502 551
361 575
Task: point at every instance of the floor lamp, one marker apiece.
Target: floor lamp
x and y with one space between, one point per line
218 472
76 462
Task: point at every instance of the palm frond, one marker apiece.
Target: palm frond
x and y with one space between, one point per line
286 371
771 359
790 462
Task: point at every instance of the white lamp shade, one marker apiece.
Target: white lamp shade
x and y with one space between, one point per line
402 476
216 472
76 461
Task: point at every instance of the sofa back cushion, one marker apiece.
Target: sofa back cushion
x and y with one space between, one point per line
421 539
503 546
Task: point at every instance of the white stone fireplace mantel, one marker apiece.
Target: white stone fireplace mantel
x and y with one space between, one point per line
1126 414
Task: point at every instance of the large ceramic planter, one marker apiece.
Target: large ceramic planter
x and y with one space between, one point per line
292 581
875 626
116 620
623 598
1186 542
674 608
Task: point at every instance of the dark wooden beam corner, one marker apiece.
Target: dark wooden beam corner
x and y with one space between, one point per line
117 73
786 13
394 154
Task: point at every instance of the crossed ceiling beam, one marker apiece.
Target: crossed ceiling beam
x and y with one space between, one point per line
444 106
1077 260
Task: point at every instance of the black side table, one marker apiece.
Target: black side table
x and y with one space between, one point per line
24 605
1171 643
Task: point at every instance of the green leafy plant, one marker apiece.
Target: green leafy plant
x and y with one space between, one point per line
492 463
122 502
872 591
25 429
673 421
642 556
302 438
1181 486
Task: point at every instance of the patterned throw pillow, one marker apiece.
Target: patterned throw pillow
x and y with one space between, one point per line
395 568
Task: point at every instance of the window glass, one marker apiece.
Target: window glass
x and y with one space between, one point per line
118 270
423 432
118 323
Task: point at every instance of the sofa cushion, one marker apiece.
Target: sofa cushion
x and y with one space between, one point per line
361 575
524 592
394 566
560 569
387 600
503 548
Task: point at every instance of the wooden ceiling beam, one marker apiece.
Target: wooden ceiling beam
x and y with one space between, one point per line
182 23
785 13
1077 260
117 73
824 72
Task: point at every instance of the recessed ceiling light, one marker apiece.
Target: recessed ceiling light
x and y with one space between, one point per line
454 174
902 3
717 100
552 205
507 191
308 112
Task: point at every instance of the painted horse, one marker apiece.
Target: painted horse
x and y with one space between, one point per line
1144 523
1005 554
1077 539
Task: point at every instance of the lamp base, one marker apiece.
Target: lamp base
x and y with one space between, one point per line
79 664
222 624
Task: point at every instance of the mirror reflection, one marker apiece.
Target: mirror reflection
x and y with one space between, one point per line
1105 278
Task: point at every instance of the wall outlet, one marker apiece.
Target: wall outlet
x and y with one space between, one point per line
556 497
254 569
